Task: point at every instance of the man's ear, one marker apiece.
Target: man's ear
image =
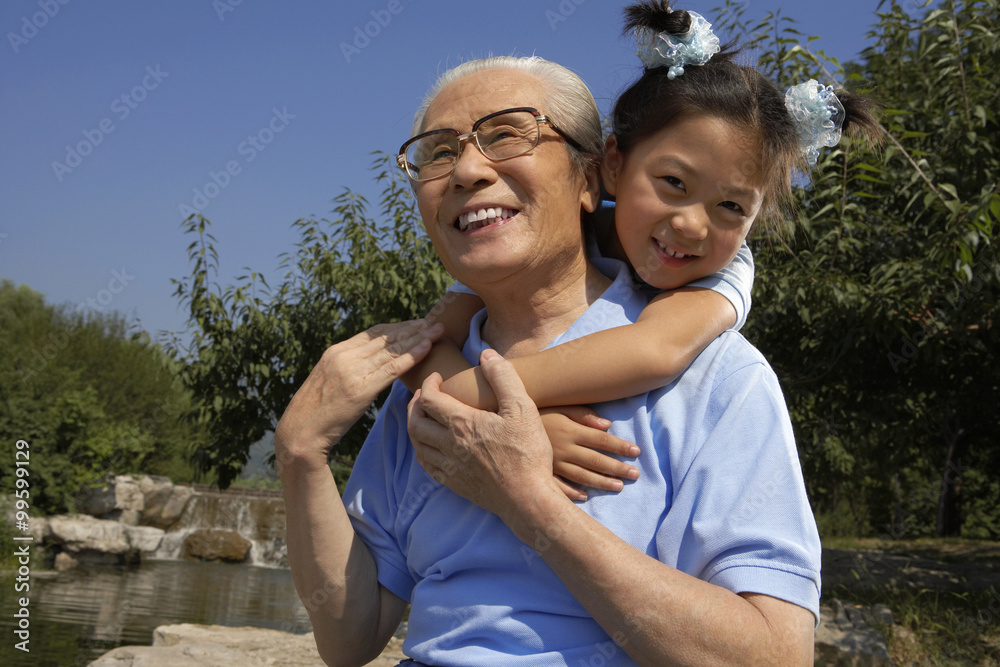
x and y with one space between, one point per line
611 166
590 198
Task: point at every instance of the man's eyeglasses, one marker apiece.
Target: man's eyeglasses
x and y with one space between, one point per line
499 136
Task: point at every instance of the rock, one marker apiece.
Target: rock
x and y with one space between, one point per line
120 499
163 502
215 544
144 538
80 533
852 635
99 540
64 562
199 645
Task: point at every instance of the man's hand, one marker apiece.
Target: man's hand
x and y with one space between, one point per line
496 460
344 383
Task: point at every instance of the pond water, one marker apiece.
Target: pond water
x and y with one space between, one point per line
78 615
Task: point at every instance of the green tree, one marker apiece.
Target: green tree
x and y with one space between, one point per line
877 305
90 397
253 345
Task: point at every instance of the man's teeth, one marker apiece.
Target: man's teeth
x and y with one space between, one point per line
483 217
672 252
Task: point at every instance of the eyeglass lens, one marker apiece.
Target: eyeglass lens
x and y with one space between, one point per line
499 138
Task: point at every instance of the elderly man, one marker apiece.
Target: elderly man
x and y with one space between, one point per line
710 557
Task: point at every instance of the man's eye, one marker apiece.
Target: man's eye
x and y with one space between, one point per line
434 154
442 153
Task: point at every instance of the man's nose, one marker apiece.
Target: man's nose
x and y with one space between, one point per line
472 166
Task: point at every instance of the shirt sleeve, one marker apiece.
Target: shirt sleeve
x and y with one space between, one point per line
734 282
740 517
462 289
377 482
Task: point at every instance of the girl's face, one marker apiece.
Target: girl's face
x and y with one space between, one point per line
685 198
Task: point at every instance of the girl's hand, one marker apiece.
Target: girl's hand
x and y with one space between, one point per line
576 433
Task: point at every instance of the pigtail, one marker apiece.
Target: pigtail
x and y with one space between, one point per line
861 122
657 16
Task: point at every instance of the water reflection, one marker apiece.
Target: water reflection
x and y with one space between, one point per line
80 614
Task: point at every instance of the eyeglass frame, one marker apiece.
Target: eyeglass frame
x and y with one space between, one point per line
539 119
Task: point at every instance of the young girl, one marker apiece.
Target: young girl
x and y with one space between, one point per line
702 151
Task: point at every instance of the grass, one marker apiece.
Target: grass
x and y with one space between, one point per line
932 626
946 550
935 627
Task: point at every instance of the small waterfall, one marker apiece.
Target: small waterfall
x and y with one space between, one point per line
260 520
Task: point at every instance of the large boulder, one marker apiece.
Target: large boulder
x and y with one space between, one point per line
212 645
119 499
88 538
163 502
215 544
82 533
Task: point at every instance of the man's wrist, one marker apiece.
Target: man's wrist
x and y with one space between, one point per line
538 513
297 460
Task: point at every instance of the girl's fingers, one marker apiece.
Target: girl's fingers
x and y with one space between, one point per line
588 478
588 459
571 491
597 439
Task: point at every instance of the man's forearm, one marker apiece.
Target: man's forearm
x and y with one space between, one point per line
334 572
655 613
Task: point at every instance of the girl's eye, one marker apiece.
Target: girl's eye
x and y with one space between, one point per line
674 181
732 206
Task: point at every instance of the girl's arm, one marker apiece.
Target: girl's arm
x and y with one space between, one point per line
671 331
455 311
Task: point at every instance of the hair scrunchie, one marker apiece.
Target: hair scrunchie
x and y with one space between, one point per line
663 49
818 115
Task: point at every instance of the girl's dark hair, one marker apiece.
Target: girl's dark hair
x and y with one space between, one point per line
738 94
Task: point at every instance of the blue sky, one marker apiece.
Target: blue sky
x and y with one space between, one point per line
119 117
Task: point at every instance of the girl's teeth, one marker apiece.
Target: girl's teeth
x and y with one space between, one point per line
671 252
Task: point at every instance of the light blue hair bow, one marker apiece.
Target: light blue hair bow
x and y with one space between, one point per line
818 115
662 49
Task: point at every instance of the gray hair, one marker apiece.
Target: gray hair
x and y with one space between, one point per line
570 103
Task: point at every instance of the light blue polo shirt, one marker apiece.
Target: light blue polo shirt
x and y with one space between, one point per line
720 496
